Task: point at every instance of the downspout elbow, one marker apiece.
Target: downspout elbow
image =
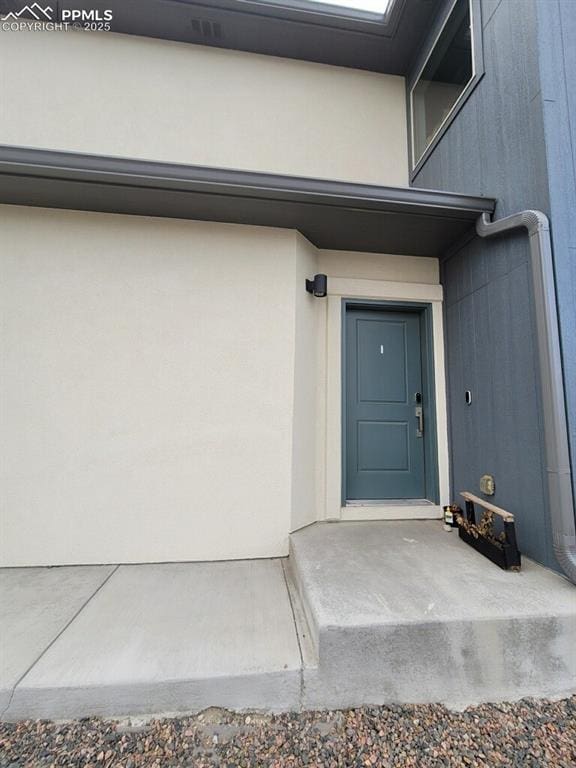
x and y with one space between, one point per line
559 477
532 221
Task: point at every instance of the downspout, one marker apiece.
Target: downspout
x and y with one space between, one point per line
560 495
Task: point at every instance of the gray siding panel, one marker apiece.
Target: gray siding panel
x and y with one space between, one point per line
557 41
496 146
492 147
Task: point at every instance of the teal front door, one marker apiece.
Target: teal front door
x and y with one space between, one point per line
384 428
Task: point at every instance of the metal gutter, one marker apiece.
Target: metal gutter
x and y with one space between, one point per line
22 161
556 443
331 214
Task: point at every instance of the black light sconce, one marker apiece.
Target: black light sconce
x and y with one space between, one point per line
318 287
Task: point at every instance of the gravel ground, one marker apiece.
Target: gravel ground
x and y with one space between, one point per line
526 734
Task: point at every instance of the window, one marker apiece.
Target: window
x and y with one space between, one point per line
372 6
375 10
447 76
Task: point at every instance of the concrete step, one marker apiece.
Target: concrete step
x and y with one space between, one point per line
405 612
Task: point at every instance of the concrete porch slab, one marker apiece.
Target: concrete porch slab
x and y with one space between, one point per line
172 637
373 612
36 604
406 612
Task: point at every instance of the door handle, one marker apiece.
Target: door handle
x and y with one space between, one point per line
420 416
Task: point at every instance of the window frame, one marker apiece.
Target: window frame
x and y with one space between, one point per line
474 8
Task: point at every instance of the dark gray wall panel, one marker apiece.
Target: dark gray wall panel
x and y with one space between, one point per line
557 43
496 146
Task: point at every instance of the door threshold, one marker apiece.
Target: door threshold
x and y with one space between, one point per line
390 509
388 503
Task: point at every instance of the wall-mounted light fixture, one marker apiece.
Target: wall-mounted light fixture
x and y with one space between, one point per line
318 287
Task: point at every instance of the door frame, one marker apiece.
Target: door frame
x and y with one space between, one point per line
329 425
424 312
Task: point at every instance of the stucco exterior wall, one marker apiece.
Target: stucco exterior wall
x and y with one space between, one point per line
378 266
146 389
308 395
127 96
167 387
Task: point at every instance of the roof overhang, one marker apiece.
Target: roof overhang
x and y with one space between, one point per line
291 28
331 214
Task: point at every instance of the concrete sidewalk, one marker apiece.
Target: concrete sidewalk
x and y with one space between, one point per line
366 613
147 638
